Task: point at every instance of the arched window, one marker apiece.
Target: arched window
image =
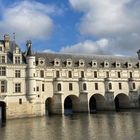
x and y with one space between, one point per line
59 87
110 86
84 86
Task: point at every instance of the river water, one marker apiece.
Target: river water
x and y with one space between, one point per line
100 126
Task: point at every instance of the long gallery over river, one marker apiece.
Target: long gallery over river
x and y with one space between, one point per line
32 84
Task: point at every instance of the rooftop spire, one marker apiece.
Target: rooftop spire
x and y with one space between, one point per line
29 47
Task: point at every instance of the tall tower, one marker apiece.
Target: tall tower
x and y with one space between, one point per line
31 82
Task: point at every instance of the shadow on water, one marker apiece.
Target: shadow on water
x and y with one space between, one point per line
2 123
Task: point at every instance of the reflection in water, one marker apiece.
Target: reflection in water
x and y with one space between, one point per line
100 126
0 113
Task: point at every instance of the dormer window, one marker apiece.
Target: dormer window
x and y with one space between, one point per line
57 62
17 50
17 59
94 63
2 59
41 61
1 47
117 65
106 64
69 62
129 65
81 63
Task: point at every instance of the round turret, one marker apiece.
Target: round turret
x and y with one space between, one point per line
31 82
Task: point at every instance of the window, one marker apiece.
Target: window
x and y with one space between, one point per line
59 87
69 62
57 74
17 59
70 74
0 48
130 75
20 101
81 63
57 62
84 86
120 86
82 74
117 64
43 88
2 71
95 74
3 86
17 87
37 88
2 59
94 63
134 85
42 73
119 75
109 86
96 86
70 86
106 64
17 73
107 74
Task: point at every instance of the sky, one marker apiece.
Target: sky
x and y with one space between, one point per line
108 27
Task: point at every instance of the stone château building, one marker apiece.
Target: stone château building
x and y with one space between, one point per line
31 83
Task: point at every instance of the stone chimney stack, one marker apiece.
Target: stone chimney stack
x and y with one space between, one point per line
7 42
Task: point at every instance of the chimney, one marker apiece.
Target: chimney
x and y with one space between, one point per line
7 42
138 52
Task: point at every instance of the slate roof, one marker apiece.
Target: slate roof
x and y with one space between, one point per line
12 47
50 57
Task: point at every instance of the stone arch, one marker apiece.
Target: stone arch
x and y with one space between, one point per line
71 104
96 103
48 106
122 101
2 111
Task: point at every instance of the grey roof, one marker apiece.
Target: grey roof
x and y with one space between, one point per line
12 47
50 57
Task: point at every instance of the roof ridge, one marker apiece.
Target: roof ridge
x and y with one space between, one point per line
87 55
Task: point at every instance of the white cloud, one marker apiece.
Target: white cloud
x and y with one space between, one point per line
127 45
108 17
28 19
88 47
117 21
49 51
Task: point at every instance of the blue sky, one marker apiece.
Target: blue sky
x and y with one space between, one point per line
74 26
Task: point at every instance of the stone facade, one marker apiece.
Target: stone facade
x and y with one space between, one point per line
31 83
